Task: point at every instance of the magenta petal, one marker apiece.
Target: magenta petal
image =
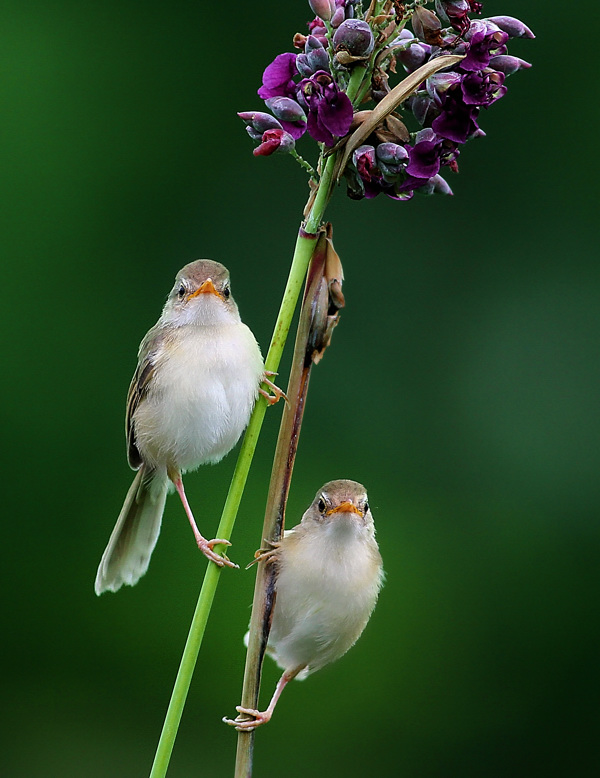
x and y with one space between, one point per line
295 129
317 131
278 75
336 114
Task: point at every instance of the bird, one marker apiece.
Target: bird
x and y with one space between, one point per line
198 376
328 575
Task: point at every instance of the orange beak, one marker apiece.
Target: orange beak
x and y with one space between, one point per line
206 288
346 507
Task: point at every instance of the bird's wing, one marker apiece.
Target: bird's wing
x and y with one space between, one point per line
140 383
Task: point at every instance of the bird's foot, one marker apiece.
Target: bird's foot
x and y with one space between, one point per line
206 546
249 719
267 555
277 392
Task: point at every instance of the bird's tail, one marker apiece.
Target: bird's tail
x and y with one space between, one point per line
127 555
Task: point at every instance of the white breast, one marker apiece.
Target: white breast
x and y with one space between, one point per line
204 388
326 590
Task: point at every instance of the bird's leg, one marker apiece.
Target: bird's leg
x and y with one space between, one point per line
250 718
267 555
206 546
277 392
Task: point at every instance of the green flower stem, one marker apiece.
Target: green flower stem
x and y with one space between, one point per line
306 165
305 244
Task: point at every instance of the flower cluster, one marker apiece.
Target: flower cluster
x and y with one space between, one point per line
306 92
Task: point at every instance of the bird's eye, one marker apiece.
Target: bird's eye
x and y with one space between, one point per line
321 505
226 292
181 291
366 507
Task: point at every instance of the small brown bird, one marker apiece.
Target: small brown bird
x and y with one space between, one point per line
198 376
329 573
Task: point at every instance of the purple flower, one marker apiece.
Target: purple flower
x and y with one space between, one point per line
424 156
329 109
278 77
456 12
483 88
484 41
274 141
457 121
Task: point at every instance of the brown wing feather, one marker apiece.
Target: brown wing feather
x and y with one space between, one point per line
138 389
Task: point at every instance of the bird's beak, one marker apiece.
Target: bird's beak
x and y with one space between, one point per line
346 507
206 288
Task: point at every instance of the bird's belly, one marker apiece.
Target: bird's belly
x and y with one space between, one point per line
202 402
317 618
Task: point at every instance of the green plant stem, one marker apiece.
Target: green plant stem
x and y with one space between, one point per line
304 164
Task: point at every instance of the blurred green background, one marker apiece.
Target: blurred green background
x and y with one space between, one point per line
461 388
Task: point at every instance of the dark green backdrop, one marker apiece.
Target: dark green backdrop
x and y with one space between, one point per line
461 388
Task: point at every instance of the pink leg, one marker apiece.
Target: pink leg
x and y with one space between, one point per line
206 546
261 717
277 392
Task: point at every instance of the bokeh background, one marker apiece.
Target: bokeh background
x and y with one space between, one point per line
461 388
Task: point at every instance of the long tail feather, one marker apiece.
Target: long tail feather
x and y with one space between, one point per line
128 552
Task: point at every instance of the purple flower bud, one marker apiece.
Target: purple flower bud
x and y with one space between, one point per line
323 8
274 142
422 107
355 37
507 64
390 160
338 17
436 184
258 122
513 27
318 29
290 113
414 56
286 109
314 58
391 153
